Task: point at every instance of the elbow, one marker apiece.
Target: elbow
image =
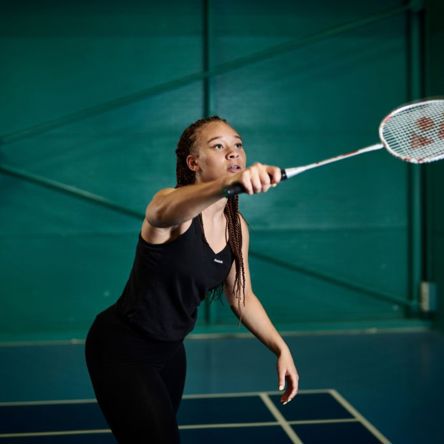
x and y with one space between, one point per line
162 211
156 217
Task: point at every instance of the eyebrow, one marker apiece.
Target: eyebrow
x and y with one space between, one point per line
219 137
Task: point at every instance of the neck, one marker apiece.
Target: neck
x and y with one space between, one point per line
216 210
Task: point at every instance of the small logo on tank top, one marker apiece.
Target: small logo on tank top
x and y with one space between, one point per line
218 261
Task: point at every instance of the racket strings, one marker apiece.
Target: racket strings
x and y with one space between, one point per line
416 133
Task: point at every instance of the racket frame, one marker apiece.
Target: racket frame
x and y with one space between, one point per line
394 113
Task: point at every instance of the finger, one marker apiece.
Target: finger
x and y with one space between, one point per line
286 397
288 389
255 179
281 380
245 181
274 174
292 388
265 179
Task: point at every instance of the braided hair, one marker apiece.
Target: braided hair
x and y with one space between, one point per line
185 176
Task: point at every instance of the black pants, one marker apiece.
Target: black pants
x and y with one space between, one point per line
138 382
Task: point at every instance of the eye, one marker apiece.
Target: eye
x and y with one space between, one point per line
239 145
218 146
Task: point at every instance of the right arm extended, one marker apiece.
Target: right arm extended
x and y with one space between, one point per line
171 207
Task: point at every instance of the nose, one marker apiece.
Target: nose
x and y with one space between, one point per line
233 154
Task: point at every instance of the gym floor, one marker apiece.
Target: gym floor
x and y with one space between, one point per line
358 387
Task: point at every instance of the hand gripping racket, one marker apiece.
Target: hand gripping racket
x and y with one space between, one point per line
413 133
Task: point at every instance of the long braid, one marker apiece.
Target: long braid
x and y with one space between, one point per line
231 211
184 176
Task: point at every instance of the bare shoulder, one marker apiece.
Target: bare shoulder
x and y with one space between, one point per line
161 193
155 202
156 235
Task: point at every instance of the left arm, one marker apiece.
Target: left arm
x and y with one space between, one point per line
255 318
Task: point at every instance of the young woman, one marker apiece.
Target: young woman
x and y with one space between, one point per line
193 242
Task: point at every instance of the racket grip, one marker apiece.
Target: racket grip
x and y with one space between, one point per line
237 188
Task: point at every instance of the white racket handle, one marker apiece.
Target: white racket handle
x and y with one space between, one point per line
290 172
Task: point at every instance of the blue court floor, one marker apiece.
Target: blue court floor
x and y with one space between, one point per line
367 387
312 418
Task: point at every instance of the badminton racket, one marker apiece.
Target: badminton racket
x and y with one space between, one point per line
413 133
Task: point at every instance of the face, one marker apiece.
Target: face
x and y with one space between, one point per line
217 150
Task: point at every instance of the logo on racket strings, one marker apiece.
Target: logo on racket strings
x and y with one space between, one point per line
427 128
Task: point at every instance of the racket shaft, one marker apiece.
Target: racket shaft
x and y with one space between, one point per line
294 171
291 172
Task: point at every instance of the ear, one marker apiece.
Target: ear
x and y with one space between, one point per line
192 163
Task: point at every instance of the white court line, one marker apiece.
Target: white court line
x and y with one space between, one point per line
182 427
328 332
41 343
361 419
228 425
322 421
265 396
191 396
280 419
47 402
61 433
245 394
300 392
221 395
242 335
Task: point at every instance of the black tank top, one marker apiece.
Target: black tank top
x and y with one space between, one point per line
168 282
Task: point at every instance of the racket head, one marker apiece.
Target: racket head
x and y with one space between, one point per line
415 132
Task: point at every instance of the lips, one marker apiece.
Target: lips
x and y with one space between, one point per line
234 168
